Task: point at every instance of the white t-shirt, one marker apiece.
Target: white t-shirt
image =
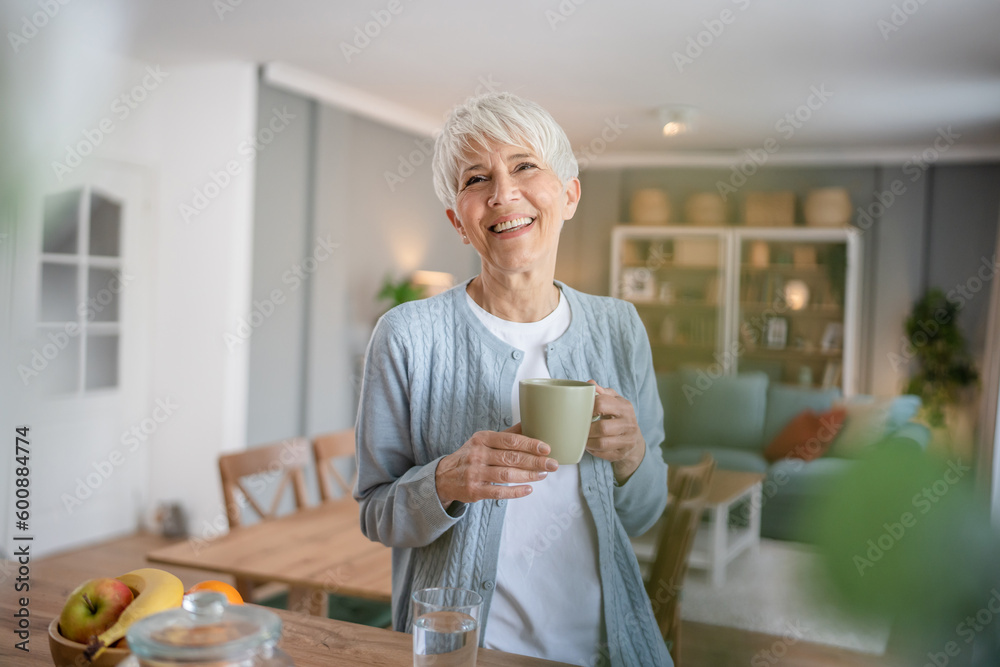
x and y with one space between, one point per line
547 601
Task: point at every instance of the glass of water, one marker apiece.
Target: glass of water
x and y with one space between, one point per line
446 627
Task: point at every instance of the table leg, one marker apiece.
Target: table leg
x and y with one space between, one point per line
756 502
717 545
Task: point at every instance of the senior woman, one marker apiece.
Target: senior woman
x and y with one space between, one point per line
445 476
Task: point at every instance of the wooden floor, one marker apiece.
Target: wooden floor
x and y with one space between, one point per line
704 645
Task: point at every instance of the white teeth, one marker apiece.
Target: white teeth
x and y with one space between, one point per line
511 224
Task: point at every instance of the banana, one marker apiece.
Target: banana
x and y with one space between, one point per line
154 590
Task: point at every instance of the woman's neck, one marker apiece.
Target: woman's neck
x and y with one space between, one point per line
519 298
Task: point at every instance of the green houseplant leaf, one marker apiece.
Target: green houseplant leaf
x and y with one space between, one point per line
939 349
399 291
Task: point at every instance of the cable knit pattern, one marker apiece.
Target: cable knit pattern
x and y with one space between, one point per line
434 375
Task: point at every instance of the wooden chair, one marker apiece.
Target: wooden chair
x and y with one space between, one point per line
688 486
327 449
284 462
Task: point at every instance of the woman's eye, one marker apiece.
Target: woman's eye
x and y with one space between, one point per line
525 165
473 180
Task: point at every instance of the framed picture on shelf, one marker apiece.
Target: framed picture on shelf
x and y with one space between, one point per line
833 337
638 284
777 333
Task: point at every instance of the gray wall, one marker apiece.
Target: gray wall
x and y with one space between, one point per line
584 260
383 231
894 280
964 204
324 178
281 241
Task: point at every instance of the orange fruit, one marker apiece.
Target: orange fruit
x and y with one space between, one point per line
231 593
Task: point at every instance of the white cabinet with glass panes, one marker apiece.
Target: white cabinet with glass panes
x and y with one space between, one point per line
784 301
79 290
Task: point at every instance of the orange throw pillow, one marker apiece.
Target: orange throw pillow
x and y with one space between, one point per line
808 436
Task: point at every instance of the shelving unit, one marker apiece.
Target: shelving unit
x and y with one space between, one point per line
781 300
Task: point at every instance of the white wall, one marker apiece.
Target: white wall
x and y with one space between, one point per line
193 278
202 285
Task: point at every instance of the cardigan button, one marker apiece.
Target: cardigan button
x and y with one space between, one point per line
516 354
488 585
501 502
507 420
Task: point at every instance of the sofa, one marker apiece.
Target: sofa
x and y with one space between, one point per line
741 419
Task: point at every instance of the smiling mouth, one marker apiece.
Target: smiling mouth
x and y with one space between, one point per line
511 225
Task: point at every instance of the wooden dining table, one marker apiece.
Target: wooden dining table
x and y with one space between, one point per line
319 548
311 641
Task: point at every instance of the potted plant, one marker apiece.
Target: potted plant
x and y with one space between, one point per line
397 292
945 368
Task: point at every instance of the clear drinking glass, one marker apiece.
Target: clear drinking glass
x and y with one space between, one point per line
446 627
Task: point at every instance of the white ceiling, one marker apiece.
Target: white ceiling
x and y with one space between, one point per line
600 60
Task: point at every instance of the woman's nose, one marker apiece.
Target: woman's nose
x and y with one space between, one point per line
504 190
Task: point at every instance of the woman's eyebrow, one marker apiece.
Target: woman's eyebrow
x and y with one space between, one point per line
475 167
509 158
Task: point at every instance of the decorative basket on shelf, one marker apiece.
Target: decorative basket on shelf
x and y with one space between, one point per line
705 208
650 206
827 207
769 209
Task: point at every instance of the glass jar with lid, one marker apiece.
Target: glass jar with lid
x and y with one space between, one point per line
207 632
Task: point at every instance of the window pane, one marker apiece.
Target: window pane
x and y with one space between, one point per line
102 295
102 362
105 226
61 353
62 222
58 293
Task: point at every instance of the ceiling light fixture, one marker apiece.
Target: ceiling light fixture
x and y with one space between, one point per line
676 119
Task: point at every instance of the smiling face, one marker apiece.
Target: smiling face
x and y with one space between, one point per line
510 207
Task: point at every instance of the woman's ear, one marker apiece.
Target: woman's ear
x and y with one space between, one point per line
572 198
457 224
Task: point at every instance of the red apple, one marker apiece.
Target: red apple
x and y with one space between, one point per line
93 608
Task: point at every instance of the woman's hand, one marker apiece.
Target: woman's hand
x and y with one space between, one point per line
616 436
489 459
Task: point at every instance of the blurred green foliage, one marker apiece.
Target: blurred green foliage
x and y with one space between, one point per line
902 536
939 348
399 292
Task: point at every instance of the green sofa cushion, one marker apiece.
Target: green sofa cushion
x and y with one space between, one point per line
785 401
669 387
903 409
725 458
727 411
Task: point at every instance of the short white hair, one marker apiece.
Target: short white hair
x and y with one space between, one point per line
502 118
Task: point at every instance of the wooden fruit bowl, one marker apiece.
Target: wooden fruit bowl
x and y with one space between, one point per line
66 653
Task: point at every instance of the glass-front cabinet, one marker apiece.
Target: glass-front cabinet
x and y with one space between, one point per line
724 299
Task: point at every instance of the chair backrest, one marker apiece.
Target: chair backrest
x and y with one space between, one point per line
283 461
688 487
327 449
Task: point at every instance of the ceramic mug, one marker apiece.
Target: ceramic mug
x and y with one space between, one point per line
559 413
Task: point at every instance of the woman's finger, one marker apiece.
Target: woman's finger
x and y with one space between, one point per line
500 475
510 440
509 458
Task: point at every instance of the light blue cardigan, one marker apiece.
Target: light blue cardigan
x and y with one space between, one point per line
434 375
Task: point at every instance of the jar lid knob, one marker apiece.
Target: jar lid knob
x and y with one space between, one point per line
205 606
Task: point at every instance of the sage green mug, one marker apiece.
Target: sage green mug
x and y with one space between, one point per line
559 413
